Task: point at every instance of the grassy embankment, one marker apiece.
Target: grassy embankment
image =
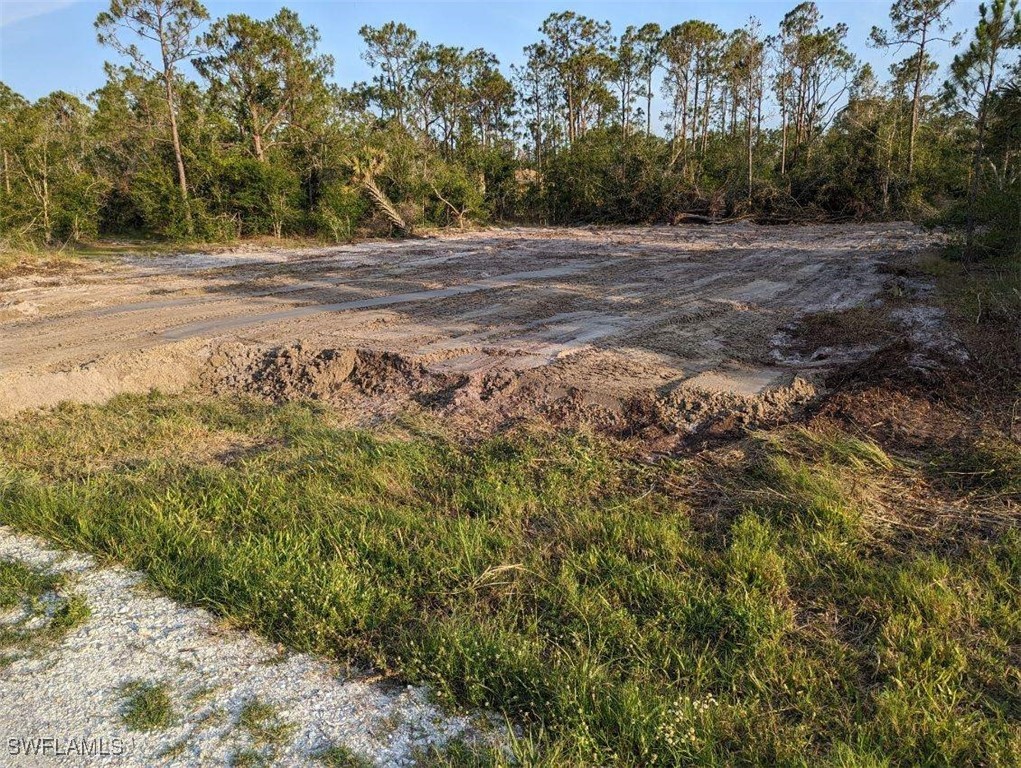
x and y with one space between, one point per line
813 595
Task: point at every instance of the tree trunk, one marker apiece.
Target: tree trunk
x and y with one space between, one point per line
648 106
182 178
623 112
684 134
886 180
799 116
914 105
976 167
538 132
694 114
570 115
783 140
46 199
758 112
706 114
257 148
748 131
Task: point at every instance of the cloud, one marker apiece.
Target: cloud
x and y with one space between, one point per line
13 11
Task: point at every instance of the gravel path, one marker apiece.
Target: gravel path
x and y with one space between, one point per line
74 692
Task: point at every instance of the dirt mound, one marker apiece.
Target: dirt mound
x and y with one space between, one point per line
278 374
378 382
300 371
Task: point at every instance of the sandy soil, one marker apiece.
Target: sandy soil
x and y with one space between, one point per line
626 326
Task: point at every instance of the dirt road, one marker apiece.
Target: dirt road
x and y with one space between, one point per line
502 321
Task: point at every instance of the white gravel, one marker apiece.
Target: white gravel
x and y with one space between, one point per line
72 692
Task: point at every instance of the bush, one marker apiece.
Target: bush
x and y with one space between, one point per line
264 197
603 177
340 209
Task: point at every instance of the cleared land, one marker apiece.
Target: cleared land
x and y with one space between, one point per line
619 568
604 324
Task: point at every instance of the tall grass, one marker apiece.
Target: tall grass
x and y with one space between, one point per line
691 612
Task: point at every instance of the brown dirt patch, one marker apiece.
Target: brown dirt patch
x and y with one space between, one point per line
657 333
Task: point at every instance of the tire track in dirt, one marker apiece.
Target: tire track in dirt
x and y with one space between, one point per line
516 278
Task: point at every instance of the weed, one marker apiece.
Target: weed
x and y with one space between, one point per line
339 756
264 724
852 327
249 758
18 582
72 613
37 596
147 706
201 695
987 466
174 750
459 753
985 300
212 718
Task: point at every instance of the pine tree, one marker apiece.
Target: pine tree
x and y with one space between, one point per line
914 22
973 80
171 25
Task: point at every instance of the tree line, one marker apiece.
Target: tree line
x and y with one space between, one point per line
217 129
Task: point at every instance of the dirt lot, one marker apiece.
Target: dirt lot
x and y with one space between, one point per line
628 328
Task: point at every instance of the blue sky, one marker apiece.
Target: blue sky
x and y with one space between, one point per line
47 45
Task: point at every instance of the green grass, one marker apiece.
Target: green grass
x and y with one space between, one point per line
984 293
27 258
72 612
263 723
24 256
339 756
248 758
984 300
15 262
18 582
174 750
35 595
459 753
147 706
989 467
759 608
